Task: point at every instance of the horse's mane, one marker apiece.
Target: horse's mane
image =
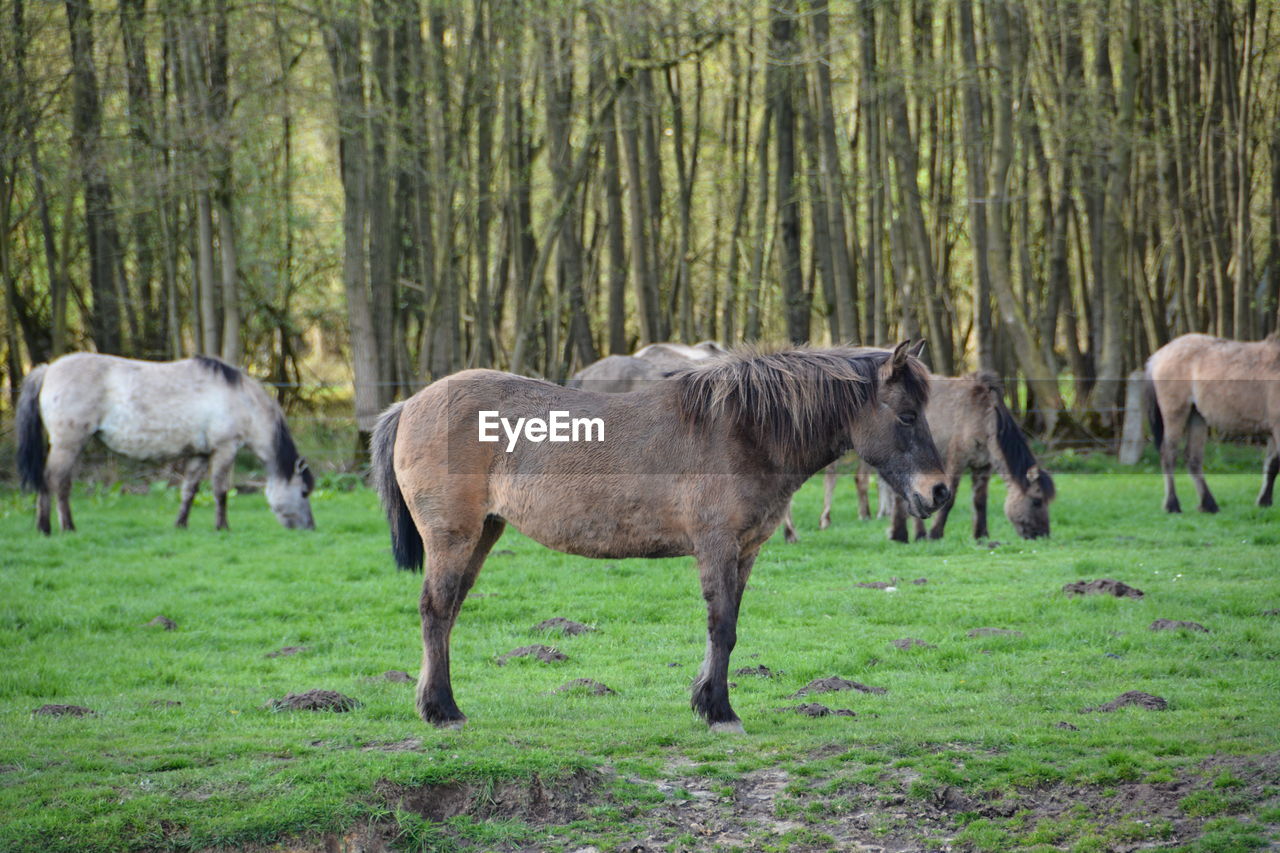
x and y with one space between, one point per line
787 399
286 454
231 375
1018 458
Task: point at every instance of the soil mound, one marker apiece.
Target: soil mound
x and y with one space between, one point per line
546 654
1102 586
567 627
1177 625
314 700
833 684
1133 697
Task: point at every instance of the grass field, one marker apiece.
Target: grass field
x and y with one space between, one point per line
964 751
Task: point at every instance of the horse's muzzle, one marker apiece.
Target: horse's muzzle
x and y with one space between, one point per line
922 504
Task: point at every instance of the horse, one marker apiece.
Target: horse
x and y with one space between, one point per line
701 464
975 432
616 374
198 409
1197 381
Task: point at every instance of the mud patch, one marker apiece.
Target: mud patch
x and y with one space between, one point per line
397 676
409 744
549 802
762 671
994 632
1136 698
567 627
314 700
1177 625
584 686
64 711
814 709
833 684
546 654
162 622
911 643
1102 586
287 651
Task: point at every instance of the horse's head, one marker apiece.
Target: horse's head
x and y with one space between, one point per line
289 497
893 435
1027 506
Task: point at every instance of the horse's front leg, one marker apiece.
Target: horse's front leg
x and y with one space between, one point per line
1270 467
789 527
220 463
898 518
192 473
723 572
453 559
940 518
981 488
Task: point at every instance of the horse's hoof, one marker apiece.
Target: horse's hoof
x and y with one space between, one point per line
824 523
1172 507
731 728
1210 506
451 725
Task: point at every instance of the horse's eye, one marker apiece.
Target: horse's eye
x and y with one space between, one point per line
907 418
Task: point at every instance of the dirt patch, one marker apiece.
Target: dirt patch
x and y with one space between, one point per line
538 801
833 684
911 643
546 654
64 711
994 632
584 685
1177 625
409 744
762 671
1102 586
314 700
567 627
814 709
287 651
397 676
1067 726
162 622
1136 698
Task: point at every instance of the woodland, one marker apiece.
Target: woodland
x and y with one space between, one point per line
387 191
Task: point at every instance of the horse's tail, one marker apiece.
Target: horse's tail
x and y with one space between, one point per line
30 428
1153 408
406 542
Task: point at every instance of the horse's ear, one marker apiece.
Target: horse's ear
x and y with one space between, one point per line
918 348
900 353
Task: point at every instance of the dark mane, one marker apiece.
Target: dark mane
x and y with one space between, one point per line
790 399
287 456
1018 458
231 375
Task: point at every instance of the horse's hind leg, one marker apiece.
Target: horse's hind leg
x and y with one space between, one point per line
723 572
981 491
789 526
1270 467
829 475
1197 435
453 560
193 472
1175 419
862 479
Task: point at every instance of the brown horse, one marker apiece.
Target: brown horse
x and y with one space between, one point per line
1195 382
702 464
974 432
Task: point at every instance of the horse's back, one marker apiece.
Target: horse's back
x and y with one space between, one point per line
141 409
1234 385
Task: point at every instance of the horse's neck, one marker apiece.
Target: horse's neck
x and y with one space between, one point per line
263 419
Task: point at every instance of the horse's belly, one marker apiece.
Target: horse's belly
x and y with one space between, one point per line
1233 405
140 437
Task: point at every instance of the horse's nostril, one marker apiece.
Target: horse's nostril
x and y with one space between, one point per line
940 494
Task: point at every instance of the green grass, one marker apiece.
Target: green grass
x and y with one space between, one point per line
975 713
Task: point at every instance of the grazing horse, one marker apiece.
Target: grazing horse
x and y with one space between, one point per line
1195 382
974 432
616 374
702 464
199 409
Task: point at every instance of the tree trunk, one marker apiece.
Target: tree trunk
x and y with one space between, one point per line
782 51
